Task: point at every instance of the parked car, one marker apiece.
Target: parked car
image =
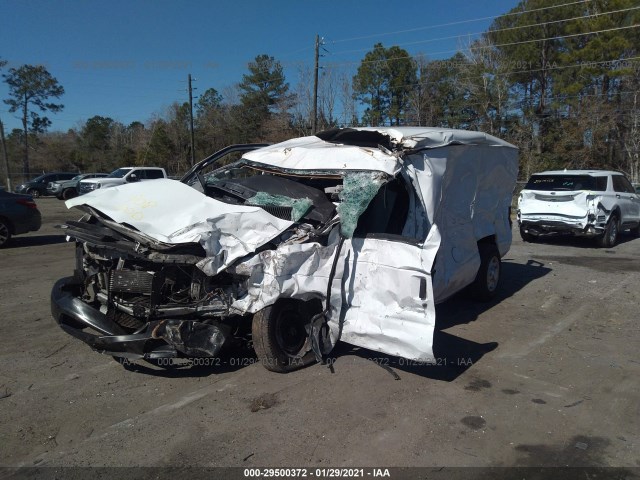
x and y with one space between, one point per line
352 235
18 214
64 190
122 176
38 186
588 203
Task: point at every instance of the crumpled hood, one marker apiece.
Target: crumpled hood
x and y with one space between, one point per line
171 212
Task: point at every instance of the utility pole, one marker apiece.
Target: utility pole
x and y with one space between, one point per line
193 157
315 87
6 157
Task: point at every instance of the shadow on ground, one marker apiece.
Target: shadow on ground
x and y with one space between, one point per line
36 241
580 242
460 309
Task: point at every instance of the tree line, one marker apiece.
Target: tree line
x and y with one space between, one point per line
559 81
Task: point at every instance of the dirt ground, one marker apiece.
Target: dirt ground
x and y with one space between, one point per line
546 375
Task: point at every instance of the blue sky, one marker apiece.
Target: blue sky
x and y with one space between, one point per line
129 60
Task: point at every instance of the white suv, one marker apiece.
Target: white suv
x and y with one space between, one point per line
590 203
120 177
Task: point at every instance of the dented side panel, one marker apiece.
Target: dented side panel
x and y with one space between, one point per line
467 191
381 295
388 299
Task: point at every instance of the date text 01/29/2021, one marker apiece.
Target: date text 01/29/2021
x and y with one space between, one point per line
315 472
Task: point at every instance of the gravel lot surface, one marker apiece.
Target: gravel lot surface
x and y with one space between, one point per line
548 374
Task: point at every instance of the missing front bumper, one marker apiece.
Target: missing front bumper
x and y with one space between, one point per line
166 338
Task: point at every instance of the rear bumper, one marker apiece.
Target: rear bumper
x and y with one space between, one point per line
165 338
32 223
550 227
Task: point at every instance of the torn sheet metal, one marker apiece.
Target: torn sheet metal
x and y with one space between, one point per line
432 137
314 154
381 297
172 212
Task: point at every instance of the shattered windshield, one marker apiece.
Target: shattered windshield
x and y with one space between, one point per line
119 173
566 183
286 196
296 195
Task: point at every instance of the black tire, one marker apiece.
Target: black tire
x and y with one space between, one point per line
5 232
69 193
34 192
611 232
526 237
279 335
485 286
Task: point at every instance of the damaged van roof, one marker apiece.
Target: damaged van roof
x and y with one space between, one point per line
364 148
431 137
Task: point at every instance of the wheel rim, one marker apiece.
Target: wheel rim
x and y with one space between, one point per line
4 233
290 332
34 193
613 233
493 274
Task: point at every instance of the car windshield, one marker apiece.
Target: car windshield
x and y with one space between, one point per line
561 182
77 177
119 173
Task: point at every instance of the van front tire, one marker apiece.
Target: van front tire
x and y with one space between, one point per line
279 335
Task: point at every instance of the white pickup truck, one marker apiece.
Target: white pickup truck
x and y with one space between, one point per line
120 177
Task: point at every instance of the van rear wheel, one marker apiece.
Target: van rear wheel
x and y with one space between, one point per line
485 286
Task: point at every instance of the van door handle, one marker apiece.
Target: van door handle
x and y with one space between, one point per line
423 288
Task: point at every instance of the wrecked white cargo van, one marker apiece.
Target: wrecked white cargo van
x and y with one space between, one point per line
352 235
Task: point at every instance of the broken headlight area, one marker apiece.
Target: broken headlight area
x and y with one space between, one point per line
142 303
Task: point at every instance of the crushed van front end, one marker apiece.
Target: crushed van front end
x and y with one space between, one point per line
140 303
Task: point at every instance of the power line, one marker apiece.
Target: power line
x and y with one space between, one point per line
581 17
456 23
491 46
